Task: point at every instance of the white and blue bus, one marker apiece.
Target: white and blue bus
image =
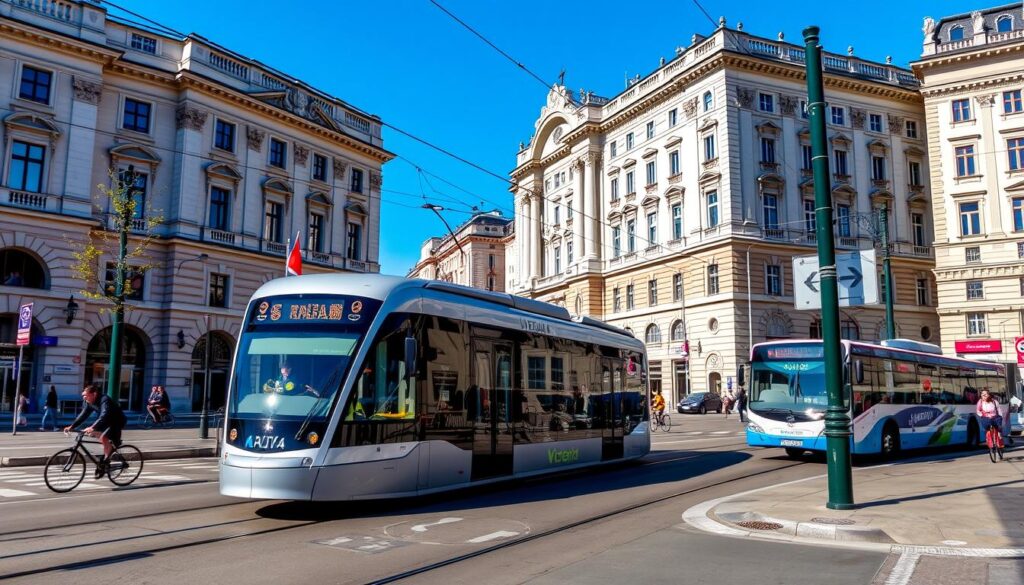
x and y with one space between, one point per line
350 386
901 394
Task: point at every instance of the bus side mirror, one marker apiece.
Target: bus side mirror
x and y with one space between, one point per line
410 355
740 376
858 371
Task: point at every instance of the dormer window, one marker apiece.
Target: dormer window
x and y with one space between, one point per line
143 43
1004 23
956 33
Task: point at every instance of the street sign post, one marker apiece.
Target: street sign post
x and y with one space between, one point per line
24 337
857 275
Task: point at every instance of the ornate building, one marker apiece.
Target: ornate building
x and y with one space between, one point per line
675 208
971 81
474 257
235 156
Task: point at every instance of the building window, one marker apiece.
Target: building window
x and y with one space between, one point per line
218 294
875 122
568 254
961 110
1018 213
558 180
616 300
709 147
922 292
35 85
678 333
773 280
843 215
766 102
770 211
355 232
357 181
975 290
653 334
558 259
1012 102
652 292
615 189
712 199
970 219
917 225
839 158
677 287
1022 286
224 136
558 214
1004 24
1015 150
878 168
629 297
629 141
652 173
278 153
613 150
26 170
965 161
673 163
630 183
677 221
914 173
136 115
848 329
536 372
810 218
652 229
803 110
838 116
972 254
650 130
631 236
712 270
273 221
672 117
134 281
491 283
143 43
491 261
806 157
319 167
220 200
708 101
956 33
616 242
911 128
138 192
315 242
976 324
768 150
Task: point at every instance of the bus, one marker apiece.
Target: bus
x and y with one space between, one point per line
347 387
901 394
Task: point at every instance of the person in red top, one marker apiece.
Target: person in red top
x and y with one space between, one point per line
988 412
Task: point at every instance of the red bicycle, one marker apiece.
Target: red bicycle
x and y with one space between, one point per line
994 439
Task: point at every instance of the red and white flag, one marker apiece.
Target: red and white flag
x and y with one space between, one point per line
293 265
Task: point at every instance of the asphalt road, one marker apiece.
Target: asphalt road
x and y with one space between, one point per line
615 525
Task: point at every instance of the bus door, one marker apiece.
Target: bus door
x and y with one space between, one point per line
492 409
611 409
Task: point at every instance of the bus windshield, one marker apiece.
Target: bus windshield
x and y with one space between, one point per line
789 380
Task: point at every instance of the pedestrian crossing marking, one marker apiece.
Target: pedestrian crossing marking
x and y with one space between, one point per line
7 493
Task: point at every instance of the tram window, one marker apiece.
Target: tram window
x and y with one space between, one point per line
383 390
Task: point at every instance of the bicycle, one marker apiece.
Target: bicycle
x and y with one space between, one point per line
662 421
994 440
146 420
65 469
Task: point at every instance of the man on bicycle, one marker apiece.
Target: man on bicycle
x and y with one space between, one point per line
988 412
107 426
658 405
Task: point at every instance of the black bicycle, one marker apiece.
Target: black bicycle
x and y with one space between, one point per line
65 469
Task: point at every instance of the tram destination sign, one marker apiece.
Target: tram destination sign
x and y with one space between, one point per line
857 275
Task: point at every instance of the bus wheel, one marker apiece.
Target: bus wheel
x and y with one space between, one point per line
890 441
973 434
794 452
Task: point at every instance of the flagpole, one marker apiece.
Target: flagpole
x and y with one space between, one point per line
287 256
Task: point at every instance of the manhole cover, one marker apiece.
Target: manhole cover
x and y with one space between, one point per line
835 521
759 525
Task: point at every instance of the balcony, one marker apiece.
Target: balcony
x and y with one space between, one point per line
319 257
841 178
631 196
29 200
273 247
356 265
221 236
773 233
672 180
651 188
772 167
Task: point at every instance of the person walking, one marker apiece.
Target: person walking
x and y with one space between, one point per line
727 402
50 410
741 403
22 410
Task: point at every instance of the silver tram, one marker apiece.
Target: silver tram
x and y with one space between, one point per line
367 386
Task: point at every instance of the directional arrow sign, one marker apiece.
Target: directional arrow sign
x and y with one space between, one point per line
858 280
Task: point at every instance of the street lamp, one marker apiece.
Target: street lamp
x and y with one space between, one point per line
70 310
204 426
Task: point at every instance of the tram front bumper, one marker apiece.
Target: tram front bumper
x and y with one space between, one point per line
265 478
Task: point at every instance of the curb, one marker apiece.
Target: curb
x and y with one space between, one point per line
813 530
147 455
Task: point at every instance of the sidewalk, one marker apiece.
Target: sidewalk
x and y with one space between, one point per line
958 502
32 446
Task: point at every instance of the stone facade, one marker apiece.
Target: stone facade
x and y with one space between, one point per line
675 208
479 263
86 95
970 69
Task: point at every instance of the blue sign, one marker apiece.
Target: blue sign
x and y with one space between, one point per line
728 383
24 323
45 340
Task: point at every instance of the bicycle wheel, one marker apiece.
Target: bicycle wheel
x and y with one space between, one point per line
64 470
125 465
147 421
666 423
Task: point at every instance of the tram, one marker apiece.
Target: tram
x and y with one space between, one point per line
348 387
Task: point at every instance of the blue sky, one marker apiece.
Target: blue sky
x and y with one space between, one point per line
416 68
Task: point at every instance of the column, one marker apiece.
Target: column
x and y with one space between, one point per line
993 202
590 207
78 186
579 222
535 236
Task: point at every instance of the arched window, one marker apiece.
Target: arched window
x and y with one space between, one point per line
956 33
815 330
653 334
848 329
1004 23
708 101
678 334
18 268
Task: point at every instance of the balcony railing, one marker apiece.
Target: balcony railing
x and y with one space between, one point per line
56 9
356 265
31 200
319 257
222 236
274 247
774 233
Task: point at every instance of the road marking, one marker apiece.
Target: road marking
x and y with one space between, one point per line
423 527
334 541
492 536
721 432
904 569
5 493
22 479
164 477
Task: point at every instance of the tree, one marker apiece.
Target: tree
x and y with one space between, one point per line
128 214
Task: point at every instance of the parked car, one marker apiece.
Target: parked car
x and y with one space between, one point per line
700 402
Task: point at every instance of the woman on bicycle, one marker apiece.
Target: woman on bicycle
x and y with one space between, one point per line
988 412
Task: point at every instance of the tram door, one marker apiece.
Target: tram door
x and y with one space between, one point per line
611 409
490 409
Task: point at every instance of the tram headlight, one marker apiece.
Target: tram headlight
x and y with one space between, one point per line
755 428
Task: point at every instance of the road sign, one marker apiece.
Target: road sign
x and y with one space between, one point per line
25 324
858 280
46 340
1019 344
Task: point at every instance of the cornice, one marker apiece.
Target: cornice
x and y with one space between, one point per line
42 37
957 58
972 85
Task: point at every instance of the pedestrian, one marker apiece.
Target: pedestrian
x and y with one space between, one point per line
741 403
727 403
22 410
50 410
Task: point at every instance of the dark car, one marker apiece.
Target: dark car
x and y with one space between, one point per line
700 402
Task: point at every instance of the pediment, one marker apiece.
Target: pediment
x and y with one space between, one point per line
277 184
32 123
318 197
614 215
1018 186
878 145
673 140
707 124
844 190
768 128
629 209
649 201
629 162
840 137
913 151
709 177
674 191
223 171
770 177
613 171
356 208
135 152
649 152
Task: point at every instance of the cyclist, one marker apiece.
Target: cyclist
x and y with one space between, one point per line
658 405
108 423
158 404
988 412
